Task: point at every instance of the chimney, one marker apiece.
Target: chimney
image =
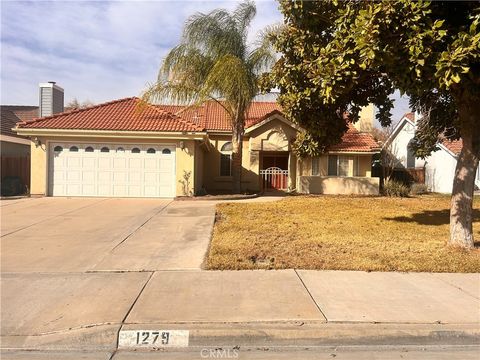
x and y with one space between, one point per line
366 121
51 99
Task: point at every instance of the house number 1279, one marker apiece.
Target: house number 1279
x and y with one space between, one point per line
152 337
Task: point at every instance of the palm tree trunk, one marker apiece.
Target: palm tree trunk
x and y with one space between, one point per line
237 151
461 210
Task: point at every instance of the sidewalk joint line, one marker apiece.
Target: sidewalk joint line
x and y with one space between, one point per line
139 227
310 294
455 286
128 313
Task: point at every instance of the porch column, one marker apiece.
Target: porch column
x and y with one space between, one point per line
291 171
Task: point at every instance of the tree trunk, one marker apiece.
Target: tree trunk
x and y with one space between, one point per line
238 129
461 210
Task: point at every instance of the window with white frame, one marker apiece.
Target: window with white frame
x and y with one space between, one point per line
316 166
340 165
226 159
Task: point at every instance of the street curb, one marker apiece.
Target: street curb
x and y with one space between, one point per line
259 335
320 334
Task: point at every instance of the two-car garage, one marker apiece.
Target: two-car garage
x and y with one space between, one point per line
111 170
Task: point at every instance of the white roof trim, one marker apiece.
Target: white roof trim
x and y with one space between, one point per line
111 133
399 126
397 129
443 147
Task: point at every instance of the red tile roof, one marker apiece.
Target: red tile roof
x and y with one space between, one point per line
118 115
213 117
356 141
124 115
410 116
455 146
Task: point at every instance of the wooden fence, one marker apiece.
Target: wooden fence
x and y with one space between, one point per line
16 166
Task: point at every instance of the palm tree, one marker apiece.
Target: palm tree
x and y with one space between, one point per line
214 62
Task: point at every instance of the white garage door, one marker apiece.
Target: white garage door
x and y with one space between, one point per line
112 170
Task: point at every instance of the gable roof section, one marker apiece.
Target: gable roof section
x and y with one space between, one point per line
12 114
454 146
451 146
355 141
118 115
212 116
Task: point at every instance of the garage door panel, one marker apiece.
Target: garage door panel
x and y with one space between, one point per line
73 162
88 176
135 191
120 190
104 163
135 163
151 164
151 191
135 177
88 190
73 175
120 176
88 162
120 163
120 173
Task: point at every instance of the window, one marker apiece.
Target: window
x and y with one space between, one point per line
166 151
225 165
73 148
104 149
342 165
227 147
226 159
151 151
120 150
332 165
410 155
58 148
316 166
135 151
89 149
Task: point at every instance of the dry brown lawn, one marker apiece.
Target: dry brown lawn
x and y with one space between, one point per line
341 233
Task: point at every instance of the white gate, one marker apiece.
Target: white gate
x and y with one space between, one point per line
274 178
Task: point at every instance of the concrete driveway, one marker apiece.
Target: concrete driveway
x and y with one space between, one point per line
92 234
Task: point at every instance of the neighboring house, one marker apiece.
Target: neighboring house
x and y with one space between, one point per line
11 143
439 166
15 149
113 149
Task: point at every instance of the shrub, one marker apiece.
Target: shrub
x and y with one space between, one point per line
417 189
396 189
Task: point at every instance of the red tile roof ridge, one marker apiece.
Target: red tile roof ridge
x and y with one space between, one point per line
176 116
75 111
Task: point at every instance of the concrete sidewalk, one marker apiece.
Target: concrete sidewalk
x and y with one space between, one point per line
85 311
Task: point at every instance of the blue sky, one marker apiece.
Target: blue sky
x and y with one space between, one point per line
98 50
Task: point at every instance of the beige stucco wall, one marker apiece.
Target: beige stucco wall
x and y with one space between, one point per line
184 159
212 181
338 185
185 163
38 169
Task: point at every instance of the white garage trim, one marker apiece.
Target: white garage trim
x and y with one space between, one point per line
111 169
